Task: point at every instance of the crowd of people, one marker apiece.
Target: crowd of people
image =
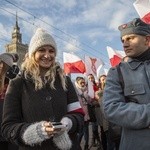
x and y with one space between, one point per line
42 109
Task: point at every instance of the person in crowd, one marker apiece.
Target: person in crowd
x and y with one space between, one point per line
103 123
107 135
129 105
7 61
96 141
41 108
84 100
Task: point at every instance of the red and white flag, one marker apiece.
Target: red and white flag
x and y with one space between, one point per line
115 56
91 92
73 64
102 71
92 64
143 9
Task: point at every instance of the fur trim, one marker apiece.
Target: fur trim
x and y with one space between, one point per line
67 122
63 141
34 134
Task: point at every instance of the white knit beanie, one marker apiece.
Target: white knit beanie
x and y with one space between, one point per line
41 38
9 58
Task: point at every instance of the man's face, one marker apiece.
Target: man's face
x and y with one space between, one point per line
134 44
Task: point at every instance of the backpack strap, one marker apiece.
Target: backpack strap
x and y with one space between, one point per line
120 76
121 79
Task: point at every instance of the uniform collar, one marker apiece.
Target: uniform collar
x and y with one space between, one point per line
134 63
144 56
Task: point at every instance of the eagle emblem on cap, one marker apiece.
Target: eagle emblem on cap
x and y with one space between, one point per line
124 26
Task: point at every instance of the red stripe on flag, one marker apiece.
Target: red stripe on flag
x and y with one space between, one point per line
146 18
115 60
76 67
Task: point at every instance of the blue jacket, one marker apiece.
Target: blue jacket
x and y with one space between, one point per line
130 107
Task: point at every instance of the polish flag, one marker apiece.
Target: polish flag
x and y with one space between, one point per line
115 56
92 65
91 92
102 71
73 64
143 9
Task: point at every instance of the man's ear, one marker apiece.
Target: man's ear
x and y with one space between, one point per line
148 40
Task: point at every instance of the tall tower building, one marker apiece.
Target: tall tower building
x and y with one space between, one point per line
16 45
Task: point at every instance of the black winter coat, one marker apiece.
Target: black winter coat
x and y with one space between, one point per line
24 106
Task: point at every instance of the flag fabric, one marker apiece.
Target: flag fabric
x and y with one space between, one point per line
143 9
92 64
91 92
73 64
115 56
102 71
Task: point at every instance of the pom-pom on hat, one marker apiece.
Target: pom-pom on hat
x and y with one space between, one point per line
136 26
41 38
9 58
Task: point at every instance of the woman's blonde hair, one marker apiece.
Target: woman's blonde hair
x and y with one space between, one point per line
31 67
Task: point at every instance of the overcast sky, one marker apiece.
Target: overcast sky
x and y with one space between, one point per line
83 27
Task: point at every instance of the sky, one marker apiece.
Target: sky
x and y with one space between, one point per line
81 27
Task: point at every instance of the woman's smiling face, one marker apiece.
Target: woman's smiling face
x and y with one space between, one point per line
45 56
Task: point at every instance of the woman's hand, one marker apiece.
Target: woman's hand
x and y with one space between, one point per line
51 130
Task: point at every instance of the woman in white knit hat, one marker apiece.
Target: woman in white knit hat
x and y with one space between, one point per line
6 62
39 97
